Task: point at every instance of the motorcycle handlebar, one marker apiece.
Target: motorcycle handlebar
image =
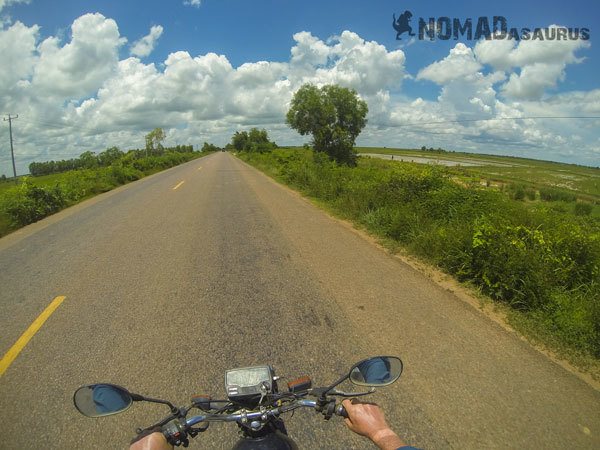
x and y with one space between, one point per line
341 411
174 432
248 417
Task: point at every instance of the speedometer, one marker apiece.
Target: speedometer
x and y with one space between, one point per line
248 382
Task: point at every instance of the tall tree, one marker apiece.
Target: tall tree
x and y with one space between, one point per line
333 115
240 140
154 139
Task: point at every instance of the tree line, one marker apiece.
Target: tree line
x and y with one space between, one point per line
254 140
91 160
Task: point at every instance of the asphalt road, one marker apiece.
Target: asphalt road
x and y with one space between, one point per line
167 288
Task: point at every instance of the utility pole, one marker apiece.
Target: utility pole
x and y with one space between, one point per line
12 152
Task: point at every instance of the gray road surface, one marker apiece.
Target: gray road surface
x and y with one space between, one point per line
166 289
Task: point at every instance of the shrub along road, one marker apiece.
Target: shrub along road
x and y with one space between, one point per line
168 284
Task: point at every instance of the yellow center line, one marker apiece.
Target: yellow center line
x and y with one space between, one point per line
14 351
178 186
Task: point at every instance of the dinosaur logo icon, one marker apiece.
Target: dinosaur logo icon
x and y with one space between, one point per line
403 24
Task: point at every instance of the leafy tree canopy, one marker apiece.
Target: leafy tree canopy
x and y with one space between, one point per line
253 141
333 115
155 138
210 147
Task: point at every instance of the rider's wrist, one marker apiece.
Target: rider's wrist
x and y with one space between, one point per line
382 435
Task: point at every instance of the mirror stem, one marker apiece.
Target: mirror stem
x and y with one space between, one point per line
141 398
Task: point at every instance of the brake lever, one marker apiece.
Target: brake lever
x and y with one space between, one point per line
193 432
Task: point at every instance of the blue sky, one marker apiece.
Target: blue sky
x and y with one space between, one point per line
262 29
349 42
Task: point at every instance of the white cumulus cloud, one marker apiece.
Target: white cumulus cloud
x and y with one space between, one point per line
533 66
195 3
18 50
81 66
459 63
347 60
309 50
144 46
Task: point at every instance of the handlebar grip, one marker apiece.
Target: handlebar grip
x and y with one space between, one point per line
341 411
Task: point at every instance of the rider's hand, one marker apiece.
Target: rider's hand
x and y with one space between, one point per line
154 441
367 419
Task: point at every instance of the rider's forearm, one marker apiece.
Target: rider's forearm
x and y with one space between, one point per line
387 440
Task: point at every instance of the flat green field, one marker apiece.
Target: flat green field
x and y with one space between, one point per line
498 171
42 181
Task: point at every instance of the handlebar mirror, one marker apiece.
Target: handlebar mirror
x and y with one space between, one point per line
376 371
98 400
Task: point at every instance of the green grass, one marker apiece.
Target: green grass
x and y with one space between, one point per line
539 258
5 185
582 180
521 176
42 181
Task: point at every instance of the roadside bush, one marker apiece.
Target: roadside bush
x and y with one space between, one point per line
517 191
560 207
530 193
520 192
549 194
583 209
573 317
575 253
412 183
595 318
153 164
143 164
453 202
125 174
450 248
359 195
28 203
508 262
396 223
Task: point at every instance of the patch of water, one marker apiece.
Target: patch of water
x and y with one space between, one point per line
441 161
